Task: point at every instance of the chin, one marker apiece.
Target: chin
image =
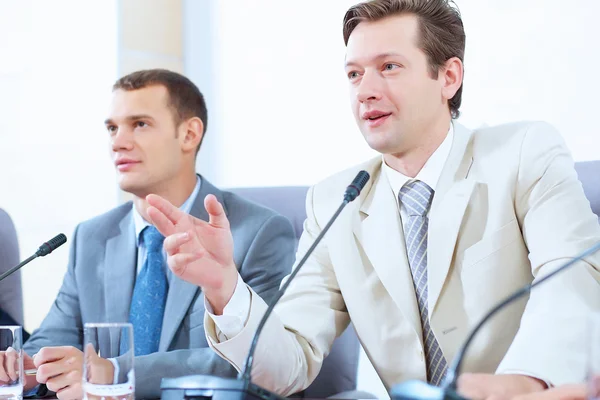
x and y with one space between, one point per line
380 144
132 186
386 142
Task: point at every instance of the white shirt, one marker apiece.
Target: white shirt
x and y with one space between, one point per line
429 174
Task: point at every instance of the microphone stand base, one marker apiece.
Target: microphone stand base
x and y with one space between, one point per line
213 387
419 390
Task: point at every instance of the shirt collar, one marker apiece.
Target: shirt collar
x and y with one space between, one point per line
140 223
431 171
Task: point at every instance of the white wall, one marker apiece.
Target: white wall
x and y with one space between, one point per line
535 59
58 64
282 103
282 109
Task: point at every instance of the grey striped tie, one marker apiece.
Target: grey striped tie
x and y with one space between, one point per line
416 197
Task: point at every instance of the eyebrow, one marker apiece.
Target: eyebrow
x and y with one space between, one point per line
130 118
377 57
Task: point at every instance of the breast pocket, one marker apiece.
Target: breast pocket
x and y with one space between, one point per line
497 242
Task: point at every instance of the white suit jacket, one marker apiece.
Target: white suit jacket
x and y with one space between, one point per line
508 208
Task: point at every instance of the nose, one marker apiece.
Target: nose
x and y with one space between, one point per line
122 140
370 87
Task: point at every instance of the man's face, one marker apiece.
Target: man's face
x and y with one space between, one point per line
393 96
145 145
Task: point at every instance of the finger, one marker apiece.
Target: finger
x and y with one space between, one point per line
172 213
90 352
216 213
161 222
172 243
100 371
74 391
3 375
48 371
90 355
49 354
12 358
178 263
63 381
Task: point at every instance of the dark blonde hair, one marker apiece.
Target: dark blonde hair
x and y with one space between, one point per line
441 31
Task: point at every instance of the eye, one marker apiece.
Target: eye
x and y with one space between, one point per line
140 124
352 75
390 67
111 129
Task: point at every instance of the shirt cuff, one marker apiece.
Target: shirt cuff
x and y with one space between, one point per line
116 374
235 314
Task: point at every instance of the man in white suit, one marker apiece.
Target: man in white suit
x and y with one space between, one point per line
451 222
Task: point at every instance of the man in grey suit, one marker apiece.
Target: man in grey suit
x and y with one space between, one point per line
156 125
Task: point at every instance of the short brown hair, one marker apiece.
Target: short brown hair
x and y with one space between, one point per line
185 98
441 31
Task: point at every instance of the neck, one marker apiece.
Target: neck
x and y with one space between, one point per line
410 161
175 192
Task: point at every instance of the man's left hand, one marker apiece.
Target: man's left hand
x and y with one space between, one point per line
60 368
497 387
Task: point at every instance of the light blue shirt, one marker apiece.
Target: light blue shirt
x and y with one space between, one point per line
139 224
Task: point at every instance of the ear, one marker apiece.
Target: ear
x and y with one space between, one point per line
452 77
191 133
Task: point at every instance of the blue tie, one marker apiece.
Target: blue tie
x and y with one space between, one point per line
416 196
149 296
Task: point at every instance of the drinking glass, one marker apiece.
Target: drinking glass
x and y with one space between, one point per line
112 341
11 360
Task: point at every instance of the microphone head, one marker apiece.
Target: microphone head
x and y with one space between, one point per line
357 185
51 245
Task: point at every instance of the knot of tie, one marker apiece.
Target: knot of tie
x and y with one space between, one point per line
153 239
416 197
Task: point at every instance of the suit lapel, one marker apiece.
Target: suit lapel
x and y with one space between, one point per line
450 201
181 293
381 237
120 258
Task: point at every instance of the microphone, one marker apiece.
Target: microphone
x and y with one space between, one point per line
419 390
242 387
51 245
354 189
45 249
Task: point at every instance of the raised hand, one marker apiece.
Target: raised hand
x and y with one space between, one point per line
199 252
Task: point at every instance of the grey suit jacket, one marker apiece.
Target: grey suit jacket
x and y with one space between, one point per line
99 282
